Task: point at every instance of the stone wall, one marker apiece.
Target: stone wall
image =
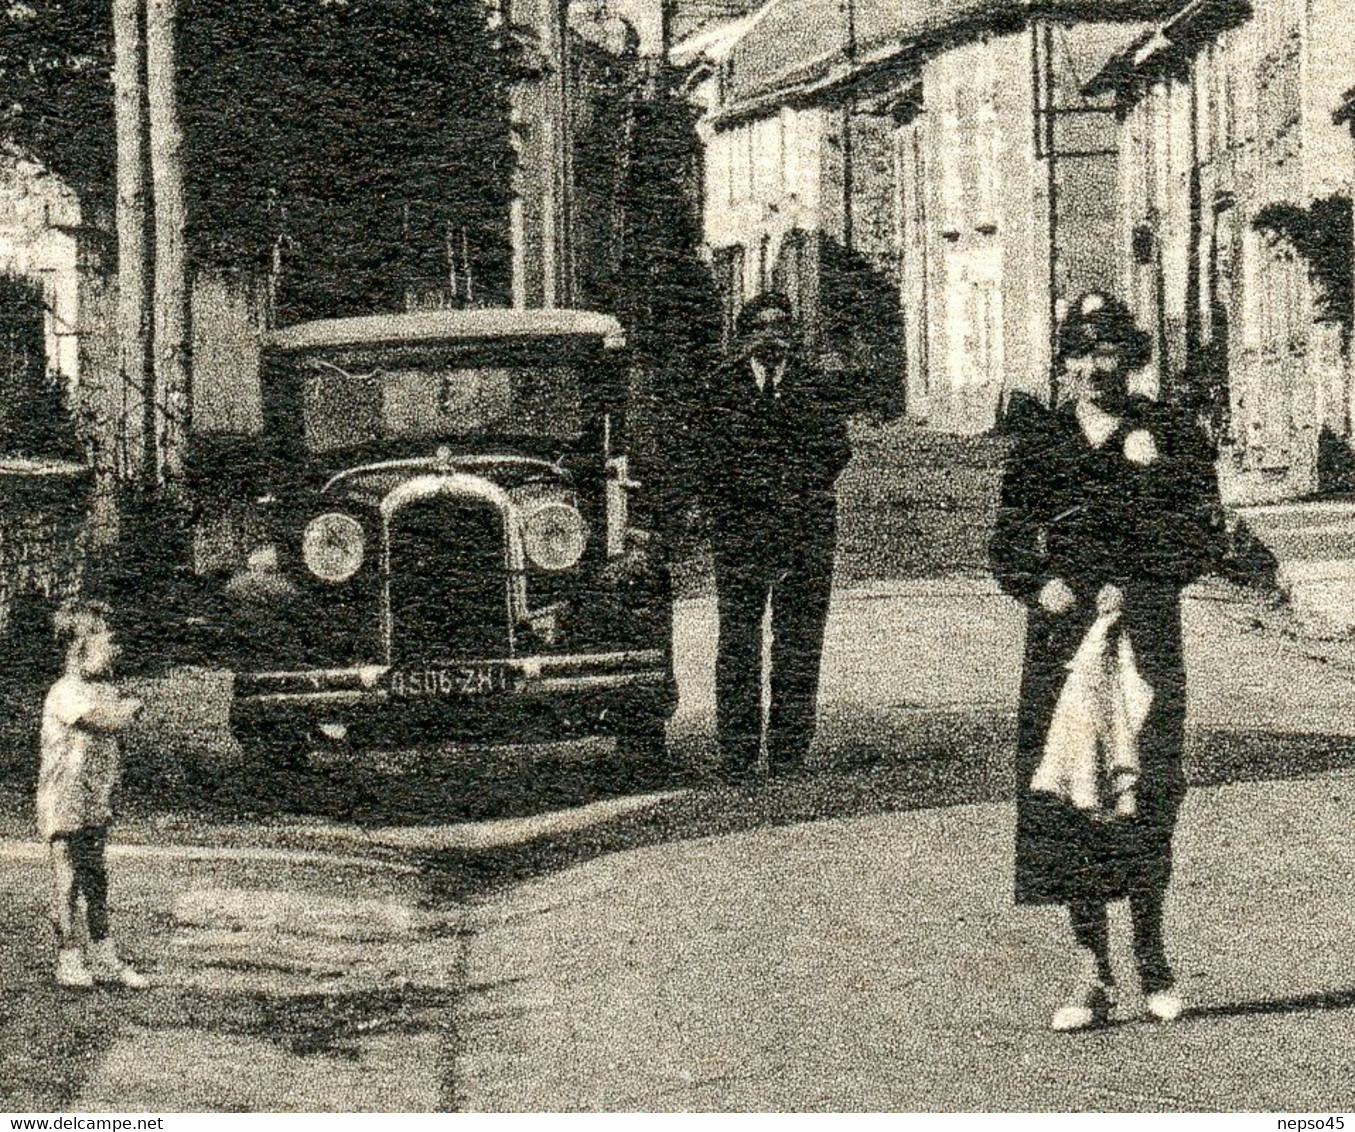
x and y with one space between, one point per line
43 509
43 521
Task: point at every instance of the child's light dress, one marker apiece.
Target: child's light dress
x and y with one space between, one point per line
80 761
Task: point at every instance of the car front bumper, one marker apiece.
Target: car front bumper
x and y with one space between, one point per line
510 699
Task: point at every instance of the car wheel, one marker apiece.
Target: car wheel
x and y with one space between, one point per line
642 749
271 746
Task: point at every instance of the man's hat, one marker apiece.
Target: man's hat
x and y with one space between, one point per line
1098 323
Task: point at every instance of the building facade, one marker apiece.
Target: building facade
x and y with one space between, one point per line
1235 190
929 186
55 355
1003 169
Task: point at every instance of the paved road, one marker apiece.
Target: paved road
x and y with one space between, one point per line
875 962
283 981
833 945
527 931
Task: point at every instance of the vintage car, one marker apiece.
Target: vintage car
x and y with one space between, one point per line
436 544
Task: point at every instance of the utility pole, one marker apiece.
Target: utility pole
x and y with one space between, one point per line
172 290
134 275
667 19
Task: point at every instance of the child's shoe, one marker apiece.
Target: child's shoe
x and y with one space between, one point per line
71 970
108 968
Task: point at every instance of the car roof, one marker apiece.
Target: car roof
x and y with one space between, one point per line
430 327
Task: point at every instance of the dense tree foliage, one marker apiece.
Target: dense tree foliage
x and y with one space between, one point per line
363 144
365 140
56 94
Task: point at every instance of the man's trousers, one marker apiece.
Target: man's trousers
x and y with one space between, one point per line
792 568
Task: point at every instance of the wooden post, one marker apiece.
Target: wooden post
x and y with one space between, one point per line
540 213
134 277
172 291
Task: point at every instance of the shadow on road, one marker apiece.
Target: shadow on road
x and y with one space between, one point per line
1298 1004
869 759
912 758
933 759
55 1039
868 762
55 1043
950 761
48 1038
305 1025
1216 758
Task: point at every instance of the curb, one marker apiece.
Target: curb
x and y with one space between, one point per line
35 851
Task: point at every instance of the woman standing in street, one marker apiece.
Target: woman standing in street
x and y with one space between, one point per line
1108 510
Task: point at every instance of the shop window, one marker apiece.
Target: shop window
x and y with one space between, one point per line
767 159
748 167
1254 253
791 273
728 270
739 173
974 317
913 186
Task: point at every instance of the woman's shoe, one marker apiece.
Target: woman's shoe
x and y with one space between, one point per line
1089 1008
1165 1005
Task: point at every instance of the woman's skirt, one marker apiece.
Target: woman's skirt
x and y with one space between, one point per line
1065 855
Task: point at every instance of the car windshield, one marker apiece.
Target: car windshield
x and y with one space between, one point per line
343 408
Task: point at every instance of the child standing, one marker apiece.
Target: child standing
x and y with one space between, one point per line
81 719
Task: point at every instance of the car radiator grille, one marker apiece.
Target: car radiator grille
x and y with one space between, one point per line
448 582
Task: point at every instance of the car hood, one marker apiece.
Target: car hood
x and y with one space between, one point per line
369 483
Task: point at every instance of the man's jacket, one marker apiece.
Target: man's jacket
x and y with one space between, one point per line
764 457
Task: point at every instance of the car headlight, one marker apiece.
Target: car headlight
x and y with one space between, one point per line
332 547
554 536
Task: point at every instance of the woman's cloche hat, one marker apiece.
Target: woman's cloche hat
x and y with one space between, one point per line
1099 322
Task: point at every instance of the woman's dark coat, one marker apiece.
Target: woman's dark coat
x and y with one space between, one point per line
1091 516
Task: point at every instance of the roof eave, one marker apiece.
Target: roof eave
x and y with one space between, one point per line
834 76
920 34
710 44
802 87
1168 44
430 330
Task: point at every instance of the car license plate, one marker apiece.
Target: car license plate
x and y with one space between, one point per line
450 680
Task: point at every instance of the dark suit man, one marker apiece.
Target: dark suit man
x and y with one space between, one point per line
772 440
